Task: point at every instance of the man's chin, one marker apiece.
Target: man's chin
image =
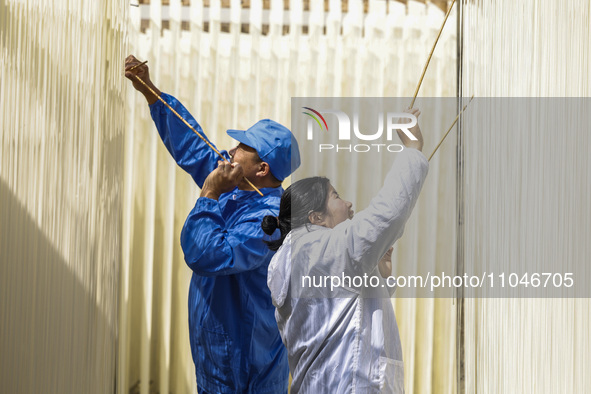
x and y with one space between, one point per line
244 186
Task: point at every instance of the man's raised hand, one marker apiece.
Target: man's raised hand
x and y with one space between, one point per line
142 72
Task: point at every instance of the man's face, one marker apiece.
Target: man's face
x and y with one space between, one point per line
248 159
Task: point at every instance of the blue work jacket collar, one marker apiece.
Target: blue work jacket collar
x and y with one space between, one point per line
238 194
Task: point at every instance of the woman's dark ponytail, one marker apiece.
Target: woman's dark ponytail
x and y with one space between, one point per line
281 222
270 224
301 198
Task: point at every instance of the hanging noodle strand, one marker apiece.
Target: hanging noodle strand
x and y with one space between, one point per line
431 54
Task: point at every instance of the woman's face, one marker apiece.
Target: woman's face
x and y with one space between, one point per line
337 211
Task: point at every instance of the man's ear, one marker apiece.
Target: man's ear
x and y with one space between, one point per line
264 169
316 218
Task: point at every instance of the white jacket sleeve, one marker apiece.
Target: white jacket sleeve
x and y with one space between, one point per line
372 231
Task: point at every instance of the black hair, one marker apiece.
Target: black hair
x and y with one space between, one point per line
299 200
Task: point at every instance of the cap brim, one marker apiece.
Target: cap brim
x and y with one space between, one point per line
240 136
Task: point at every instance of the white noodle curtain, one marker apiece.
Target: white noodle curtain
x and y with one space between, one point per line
87 208
61 154
539 48
231 80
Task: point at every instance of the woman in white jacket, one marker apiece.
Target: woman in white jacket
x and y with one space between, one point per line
342 337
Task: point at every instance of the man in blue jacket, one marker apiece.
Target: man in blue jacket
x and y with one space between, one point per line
234 338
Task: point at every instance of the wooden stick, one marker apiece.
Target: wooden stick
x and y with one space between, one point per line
431 54
191 127
450 127
137 65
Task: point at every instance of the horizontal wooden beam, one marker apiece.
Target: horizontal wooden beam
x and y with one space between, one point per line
442 4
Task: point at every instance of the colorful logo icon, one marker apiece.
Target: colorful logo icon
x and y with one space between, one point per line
315 118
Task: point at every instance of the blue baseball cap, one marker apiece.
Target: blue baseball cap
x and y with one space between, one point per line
274 144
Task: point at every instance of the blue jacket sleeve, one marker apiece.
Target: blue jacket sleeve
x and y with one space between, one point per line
188 150
211 249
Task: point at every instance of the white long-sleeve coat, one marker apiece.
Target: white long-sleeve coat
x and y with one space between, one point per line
345 340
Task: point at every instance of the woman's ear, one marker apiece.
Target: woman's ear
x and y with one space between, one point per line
316 218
